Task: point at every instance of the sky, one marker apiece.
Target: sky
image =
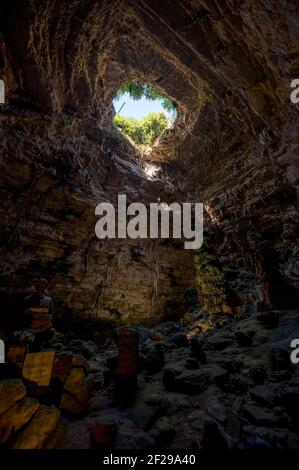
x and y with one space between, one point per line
140 108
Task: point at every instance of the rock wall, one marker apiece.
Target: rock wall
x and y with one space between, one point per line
51 185
227 65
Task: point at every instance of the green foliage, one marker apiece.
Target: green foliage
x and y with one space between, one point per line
143 90
142 131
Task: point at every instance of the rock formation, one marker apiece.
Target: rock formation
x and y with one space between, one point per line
228 66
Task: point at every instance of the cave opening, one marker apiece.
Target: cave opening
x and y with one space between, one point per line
142 114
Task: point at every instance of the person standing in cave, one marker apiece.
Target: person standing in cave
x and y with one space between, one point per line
39 309
38 315
40 298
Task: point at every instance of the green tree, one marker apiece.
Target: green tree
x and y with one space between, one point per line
138 90
142 131
153 125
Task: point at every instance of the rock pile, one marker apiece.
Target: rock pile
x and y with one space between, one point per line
216 388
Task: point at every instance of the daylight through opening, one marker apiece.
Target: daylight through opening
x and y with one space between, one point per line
142 114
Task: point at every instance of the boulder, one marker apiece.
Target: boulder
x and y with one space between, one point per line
153 358
279 359
144 415
197 349
88 348
197 419
100 378
58 347
265 437
80 361
178 379
98 402
177 402
156 336
16 417
220 341
212 432
130 437
149 406
179 339
94 366
168 328
11 391
163 432
218 374
58 438
251 439
262 417
76 392
39 430
217 409
263 395
232 383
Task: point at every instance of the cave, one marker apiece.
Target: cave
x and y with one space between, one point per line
140 343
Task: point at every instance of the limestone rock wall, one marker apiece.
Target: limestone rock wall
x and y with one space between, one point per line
227 65
51 185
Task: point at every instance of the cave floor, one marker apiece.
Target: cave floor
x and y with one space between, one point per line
236 393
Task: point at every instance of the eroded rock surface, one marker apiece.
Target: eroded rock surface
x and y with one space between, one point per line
221 376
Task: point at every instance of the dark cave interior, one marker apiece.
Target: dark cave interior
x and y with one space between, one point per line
202 338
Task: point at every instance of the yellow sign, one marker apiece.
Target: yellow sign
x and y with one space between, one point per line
36 310
38 367
41 320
